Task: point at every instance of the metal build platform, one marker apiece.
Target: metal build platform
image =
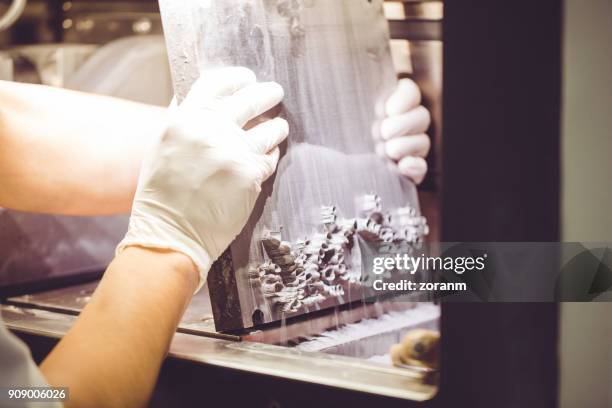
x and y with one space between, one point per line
51 314
198 319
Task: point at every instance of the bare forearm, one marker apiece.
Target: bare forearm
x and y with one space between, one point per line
111 357
58 145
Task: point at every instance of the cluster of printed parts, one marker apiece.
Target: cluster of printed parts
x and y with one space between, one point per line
304 274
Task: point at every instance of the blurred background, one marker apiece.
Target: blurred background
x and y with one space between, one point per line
586 378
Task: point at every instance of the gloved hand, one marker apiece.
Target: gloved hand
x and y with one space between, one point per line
401 135
198 185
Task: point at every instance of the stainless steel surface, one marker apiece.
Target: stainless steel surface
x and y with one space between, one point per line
198 318
282 362
71 299
333 60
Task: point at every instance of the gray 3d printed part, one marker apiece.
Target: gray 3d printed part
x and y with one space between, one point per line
333 60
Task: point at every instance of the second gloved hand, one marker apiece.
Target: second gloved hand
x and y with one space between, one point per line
401 135
199 185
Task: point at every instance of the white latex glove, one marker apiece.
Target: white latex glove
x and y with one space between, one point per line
198 186
401 135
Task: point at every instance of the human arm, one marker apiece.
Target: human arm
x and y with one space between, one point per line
111 356
67 152
401 136
196 190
